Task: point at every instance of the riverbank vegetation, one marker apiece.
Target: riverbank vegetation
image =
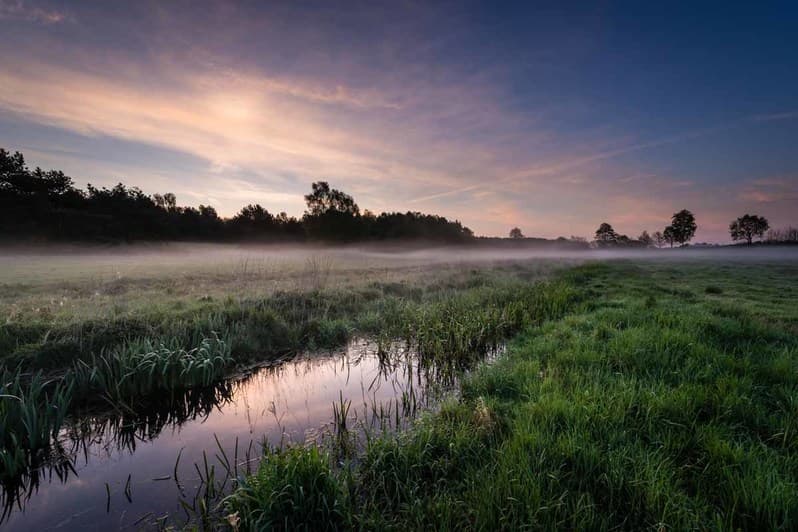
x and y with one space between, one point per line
665 400
633 395
63 364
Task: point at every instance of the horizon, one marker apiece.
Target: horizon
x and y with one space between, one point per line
549 119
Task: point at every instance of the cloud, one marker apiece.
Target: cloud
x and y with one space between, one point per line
576 162
787 115
21 10
770 190
400 121
224 120
239 119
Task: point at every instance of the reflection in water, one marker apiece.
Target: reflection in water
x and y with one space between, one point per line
112 470
109 432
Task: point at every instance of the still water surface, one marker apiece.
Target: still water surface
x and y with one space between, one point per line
121 467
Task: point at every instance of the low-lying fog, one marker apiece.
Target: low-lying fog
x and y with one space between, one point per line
20 263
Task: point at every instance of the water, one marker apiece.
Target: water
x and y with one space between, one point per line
117 469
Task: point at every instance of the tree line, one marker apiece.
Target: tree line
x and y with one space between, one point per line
46 204
683 227
681 231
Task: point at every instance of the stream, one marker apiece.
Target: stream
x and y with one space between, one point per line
116 471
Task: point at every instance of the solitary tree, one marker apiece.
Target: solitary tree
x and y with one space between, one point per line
747 227
683 226
658 238
606 235
515 232
669 236
645 239
324 199
332 214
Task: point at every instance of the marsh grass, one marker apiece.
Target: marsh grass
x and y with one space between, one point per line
117 368
32 410
653 405
131 382
141 368
293 489
319 307
635 396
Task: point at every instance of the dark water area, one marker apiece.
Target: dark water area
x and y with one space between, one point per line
117 470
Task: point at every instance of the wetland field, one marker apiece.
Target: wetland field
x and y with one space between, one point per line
251 388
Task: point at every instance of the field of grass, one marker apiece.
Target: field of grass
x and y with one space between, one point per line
667 398
264 304
85 356
634 394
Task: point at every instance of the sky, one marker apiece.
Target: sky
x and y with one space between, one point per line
553 117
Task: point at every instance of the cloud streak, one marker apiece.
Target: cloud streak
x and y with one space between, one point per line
16 10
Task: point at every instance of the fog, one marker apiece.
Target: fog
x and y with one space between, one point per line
31 263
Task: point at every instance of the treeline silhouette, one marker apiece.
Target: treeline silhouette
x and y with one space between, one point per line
787 235
47 205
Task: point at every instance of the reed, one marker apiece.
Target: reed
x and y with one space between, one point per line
143 368
32 411
292 490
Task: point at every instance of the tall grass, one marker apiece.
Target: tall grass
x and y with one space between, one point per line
123 362
32 410
314 315
31 413
142 368
656 405
466 326
294 489
133 379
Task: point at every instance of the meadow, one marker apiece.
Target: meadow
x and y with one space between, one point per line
665 399
106 333
632 394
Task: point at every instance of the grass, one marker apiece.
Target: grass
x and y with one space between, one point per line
32 411
126 364
260 324
142 369
291 490
132 382
634 395
654 404
94 284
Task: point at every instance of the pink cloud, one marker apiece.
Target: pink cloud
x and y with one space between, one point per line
406 139
20 10
770 190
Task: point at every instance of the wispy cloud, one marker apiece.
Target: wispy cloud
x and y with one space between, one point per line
21 10
283 95
786 115
572 163
239 118
770 190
